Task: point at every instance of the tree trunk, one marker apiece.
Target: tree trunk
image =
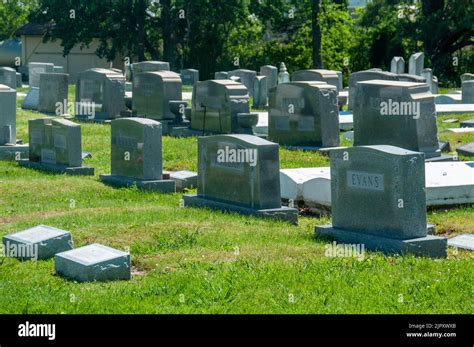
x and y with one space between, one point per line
429 7
168 54
141 11
317 61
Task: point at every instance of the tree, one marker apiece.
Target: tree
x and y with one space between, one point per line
13 14
316 9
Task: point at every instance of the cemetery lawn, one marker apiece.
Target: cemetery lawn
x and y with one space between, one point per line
199 261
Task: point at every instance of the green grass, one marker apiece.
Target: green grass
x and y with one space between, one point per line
198 261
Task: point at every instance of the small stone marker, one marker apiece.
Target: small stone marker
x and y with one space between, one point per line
468 92
378 200
428 75
240 173
8 77
221 75
189 77
467 149
416 63
53 93
260 92
283 75
136 155
465 241
271 72
328 76
367 75
304 114
184 179
38 243
93 263
35 69
397 65
31 100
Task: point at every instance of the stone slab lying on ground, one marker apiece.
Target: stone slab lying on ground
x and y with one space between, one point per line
57 168
464 241
31 100
451 120
460 130
93 263
443 110
184 179
467 123
467 149
445 99
301 184
38 243
162 186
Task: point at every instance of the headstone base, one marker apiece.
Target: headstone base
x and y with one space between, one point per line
184 179
284 213
467 149
467 123
15 152
162 186
428 246
86 119
56 168
441 158
322 150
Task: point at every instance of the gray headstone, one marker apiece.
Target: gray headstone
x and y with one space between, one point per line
8 77
100 94
378 199
304 114
271 72
366 75
397 65
328 76
468 123
468 92
40 242
189 77
53 90
467 77
58 69
247 78
55 141
19 80
396 113
152 93
260 91
31 100
137 148
465 241
283 75
428 75
221 75
149 66
7 115
93 263
416 64
216 104
35 69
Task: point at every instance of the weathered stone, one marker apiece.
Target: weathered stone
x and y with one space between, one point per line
469 123
468 92
221 75
260 92
428 75
416 64
37 243
366 75
304 114
283 75
184 179
467 149
35 69
93 263
465 241
327 76
189 77
53 90
8 77
397 65
271 72
239 173
247 78
396 113
378 199
149 66
467 77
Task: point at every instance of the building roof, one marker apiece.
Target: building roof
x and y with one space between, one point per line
34 29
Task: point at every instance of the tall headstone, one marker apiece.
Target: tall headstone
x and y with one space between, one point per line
240 173
271 72
416 64
260 92
55 145
397 65
428 75
221 75
396 113
153 92
304 114
247 78
136 155
8 77
468 92
220 106
379 201
283 75
100 94
53 93
189 77
35 69
366 75
327 76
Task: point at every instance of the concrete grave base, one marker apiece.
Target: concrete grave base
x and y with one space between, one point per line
184 179
56 168
467 149
284 213
85 119
93 263
14 152
162 186
442 157
428 246
43 240
467 123
322 150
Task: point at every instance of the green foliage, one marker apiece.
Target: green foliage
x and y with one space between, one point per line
13 14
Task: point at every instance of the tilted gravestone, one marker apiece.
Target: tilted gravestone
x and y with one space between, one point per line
221 106
153 92
396 113
35 69
260 92
247 78
367 75
468 92
397 65
8 77
37 243
328 76
100 94
136 155
271 72
53 93
379 200
9 148
189 77
93 263
416 64
304 114
55 146
240 173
